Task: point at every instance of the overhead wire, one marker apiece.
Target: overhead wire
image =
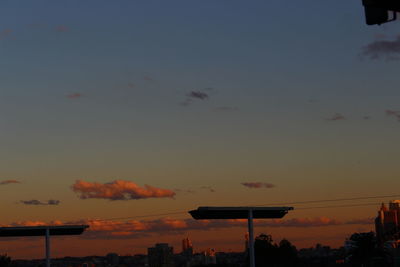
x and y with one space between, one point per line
278 203
339 206
330 200
144 216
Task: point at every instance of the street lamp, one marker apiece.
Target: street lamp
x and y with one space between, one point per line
249 213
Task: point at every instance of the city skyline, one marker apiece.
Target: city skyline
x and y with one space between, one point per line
122 110
168 230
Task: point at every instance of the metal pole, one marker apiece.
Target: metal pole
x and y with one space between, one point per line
251 239
47 247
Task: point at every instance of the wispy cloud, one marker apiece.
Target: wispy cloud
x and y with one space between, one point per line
388 49
258 185
336 117
51 202
136 228
74 95
119 190
393 113
197 95
9 182
62 28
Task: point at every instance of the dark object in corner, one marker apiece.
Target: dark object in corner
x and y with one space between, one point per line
377 11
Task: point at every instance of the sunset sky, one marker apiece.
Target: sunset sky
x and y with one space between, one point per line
120 109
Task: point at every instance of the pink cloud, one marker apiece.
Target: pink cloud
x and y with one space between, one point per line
136 228
99 229
119 190
32 223
258 185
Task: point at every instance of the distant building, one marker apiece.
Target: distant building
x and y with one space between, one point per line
209 257
387 222
161 255
187 247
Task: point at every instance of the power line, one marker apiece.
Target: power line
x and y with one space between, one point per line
184 212
143 216
339 206
279 203
329 200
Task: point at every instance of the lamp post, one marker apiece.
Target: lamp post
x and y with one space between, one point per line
249 213
46 231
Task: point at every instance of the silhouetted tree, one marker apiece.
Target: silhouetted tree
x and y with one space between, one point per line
364 250
5 260
287 254
266 252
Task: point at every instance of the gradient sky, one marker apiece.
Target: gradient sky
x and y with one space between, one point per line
196 97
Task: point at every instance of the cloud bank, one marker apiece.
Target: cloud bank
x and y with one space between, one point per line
119 190
136 228
258 185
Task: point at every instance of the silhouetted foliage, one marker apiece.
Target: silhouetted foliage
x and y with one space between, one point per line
266 252
287 253
364 251
5 260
